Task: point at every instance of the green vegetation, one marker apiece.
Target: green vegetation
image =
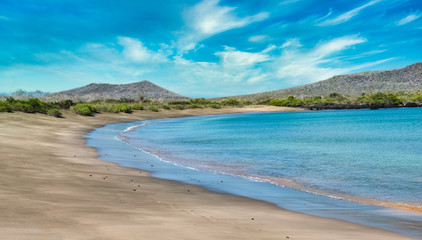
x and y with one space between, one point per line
332 101
287 102
32 105
84 109
54 112
336 101
153 108
204 103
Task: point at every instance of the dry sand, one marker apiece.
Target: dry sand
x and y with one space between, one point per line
53 187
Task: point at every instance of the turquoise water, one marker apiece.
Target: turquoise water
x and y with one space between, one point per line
303 161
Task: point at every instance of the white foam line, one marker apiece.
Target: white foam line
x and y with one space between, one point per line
129 129
120 138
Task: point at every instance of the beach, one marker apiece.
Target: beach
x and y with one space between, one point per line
54 187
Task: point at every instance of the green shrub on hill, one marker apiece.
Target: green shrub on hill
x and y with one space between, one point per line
23 107
231 102
137 106
201 101
5 106
178 106
290 101
54 112
165 106
83 109
215 105
153 108
66 104
123 107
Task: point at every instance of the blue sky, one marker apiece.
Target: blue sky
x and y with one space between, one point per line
203 48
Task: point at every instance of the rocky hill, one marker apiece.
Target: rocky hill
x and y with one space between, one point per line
137 90
407 79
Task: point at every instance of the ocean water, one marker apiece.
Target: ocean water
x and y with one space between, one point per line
344 164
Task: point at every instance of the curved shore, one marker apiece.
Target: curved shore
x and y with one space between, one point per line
54 187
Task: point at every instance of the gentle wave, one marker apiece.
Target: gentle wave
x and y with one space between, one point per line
123 139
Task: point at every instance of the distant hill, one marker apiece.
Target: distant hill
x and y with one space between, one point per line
136 90
407 79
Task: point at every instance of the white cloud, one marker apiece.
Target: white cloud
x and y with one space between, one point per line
259 38
369 64
231 58
207 18
347 15
235 71
336 45
299 66
134 50
285 2
409 18
258 78
4 18
292 42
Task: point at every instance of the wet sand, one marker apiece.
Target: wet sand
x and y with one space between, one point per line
54 187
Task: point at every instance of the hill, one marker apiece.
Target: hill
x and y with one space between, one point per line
136 90
407 79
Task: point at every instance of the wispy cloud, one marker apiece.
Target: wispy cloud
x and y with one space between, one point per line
259 38
347 15
4 18
285 2
409 18
134 50
299 66
232 58
208 18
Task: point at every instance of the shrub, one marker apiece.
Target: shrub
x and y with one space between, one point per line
290 101
394 98
123 108
165 106
83 109
54 112
215 105
5 106
153 108
23 107
66 104
231 102
194 105
10 100
178 106
179 102
201 101
416 98
137 106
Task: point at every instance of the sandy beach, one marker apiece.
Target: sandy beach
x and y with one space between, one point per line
54 187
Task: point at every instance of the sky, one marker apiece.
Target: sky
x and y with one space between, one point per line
207 48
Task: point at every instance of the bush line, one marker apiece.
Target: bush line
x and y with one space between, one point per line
332 101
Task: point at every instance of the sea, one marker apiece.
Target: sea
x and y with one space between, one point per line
362 166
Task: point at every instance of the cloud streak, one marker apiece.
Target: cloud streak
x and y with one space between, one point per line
409 18
347 15
300 66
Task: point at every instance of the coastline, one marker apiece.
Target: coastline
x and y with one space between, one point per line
54 187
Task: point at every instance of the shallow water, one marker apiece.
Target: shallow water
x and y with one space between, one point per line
371 157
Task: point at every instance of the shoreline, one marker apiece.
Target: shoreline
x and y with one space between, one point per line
287 183
54 187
